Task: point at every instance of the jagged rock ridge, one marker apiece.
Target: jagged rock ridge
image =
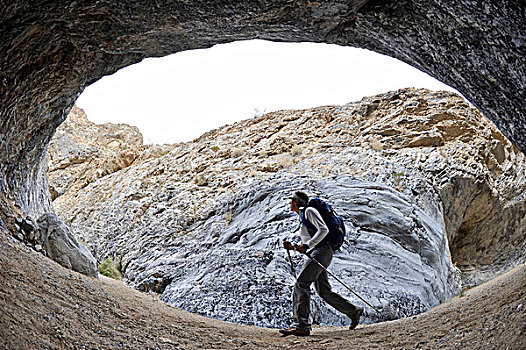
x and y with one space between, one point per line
81 151
202 223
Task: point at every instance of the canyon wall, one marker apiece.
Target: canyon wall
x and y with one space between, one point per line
431 192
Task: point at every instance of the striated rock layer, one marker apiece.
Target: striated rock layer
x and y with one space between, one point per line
420 177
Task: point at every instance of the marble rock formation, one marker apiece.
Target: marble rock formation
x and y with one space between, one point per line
423 180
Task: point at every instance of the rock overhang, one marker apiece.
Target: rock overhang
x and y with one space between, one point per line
52 50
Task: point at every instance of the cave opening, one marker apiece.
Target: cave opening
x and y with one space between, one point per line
235 81
159 281
54 63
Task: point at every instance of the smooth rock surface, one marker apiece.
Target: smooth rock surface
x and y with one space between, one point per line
396 256
61 246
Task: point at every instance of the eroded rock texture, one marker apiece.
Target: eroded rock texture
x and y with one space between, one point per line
81 152
413 172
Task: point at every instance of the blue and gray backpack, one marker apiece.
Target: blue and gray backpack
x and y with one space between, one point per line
334 222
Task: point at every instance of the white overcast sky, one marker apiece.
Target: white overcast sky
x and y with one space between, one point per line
179 97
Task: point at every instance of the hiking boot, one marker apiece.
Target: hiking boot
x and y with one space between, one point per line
356 318
295 331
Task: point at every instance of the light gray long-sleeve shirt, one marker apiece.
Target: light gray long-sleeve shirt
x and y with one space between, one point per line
314 217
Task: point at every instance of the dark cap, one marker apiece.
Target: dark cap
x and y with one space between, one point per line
301 197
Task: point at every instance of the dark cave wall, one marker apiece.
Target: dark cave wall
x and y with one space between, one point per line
51 50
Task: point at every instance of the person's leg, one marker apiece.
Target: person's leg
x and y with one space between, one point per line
324 289
301 297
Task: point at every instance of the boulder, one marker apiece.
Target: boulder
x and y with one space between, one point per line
61 246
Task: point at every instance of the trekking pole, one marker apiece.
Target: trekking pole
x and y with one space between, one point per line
337 279
291 264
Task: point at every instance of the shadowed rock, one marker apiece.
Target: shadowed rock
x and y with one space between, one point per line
61 246
50 51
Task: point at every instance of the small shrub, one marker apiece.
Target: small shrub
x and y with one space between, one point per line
285 161
462 293
159 152
108 269
398 177
237 152
215 148
376 145
296 150
229 217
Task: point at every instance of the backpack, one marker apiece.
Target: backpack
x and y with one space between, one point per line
334 223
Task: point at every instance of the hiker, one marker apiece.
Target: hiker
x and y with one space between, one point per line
314 235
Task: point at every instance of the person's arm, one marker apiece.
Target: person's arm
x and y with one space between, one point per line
304 234
304 237
314 217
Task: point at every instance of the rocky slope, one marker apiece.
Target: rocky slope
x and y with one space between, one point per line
81 152
419 177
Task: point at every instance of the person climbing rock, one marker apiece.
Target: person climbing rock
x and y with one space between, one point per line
313 234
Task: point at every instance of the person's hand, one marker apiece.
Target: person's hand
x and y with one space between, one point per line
287 245
302 248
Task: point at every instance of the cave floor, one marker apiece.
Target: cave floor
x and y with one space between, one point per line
47 306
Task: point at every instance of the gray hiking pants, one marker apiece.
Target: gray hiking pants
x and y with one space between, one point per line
313 273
